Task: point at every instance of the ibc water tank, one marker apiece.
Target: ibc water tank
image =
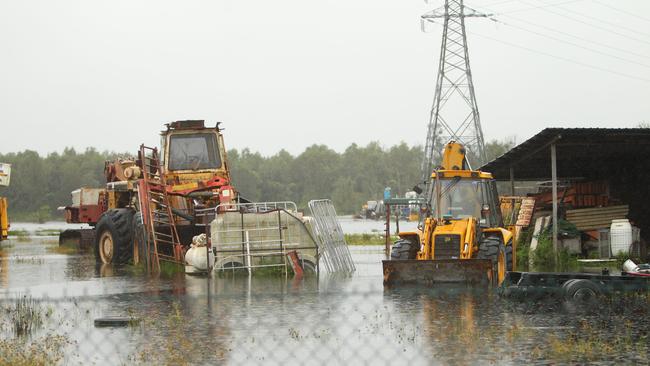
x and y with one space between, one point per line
620 236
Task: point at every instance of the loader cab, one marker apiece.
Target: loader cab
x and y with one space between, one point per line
190 151
457 194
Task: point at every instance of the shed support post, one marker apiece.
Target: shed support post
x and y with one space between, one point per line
554 189
512 181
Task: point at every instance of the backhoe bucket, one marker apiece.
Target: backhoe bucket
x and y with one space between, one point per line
430 272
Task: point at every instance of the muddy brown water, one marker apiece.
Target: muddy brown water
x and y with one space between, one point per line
324 320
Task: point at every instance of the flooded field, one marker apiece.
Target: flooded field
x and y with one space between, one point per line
274 320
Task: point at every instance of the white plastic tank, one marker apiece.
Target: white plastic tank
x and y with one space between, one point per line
620 236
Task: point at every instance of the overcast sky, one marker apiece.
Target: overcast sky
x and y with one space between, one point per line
291 73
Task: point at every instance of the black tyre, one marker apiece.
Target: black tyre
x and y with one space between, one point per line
113 238
581 290
140 255
509 266
404 249
492 248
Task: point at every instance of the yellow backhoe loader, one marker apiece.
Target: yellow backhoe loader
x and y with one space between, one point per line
460 237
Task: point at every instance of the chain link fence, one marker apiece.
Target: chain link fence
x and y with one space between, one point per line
63 309
331 321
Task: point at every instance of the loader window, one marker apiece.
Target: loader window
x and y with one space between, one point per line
194 152
460 198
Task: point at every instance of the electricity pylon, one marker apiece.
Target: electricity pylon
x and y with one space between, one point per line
459 122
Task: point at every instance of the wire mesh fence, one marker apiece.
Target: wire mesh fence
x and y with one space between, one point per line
65 309
251 320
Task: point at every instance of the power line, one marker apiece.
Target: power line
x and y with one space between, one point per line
539 6
562 58
577 37
576 45
497 3
606 22
621 10
566 34
594 26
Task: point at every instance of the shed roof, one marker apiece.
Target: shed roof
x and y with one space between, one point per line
589 153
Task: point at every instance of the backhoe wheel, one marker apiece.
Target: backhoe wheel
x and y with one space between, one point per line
140 255
404 249
492 248
113 236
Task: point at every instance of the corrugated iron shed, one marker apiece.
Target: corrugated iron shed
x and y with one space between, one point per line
619 156
589 153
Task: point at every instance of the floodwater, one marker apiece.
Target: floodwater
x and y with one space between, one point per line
325 320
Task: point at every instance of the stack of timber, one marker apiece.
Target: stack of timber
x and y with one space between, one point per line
577 195
596 218
517 210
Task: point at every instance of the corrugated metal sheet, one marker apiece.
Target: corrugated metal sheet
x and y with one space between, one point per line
580 153
596 218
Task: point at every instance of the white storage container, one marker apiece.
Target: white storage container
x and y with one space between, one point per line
86 196
620 236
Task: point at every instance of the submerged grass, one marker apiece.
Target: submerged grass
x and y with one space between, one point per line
47 350
588 344
176 348
66 248
25 316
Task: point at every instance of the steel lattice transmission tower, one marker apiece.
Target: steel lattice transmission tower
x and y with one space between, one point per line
449 121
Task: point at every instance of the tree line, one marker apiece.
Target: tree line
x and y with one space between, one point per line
40 184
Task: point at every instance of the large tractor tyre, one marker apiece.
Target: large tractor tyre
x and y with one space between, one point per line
113 236
404 249
492 248
140 254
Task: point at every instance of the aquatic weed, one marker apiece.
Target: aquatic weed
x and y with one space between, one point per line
26 316
47 350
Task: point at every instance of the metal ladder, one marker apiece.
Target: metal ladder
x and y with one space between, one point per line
157 216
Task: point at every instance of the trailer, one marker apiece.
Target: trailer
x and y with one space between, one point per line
571 286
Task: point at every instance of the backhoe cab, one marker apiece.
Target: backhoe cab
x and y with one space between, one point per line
461 236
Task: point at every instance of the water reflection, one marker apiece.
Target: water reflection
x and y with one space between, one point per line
4 269
327 319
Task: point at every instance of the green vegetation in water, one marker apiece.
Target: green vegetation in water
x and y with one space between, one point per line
20 235
176 348
47 232
66 248
43 351
25 233
545 258
523 249
588 344
169 268
369 239
622 257
25 315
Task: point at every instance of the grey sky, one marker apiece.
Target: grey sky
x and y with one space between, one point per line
290 73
